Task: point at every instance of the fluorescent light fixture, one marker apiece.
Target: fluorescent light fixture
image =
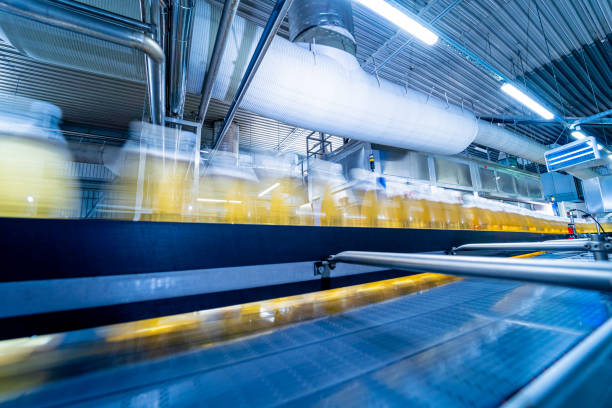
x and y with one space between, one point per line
578 135
527 101
214 200
599 147
267 190
400 19
610 157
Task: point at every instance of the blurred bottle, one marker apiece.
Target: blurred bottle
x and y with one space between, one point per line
228 193
156 180
472 217
437 214
34 159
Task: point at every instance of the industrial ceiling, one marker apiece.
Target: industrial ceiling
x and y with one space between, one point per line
560 50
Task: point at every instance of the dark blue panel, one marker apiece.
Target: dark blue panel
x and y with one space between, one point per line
48 249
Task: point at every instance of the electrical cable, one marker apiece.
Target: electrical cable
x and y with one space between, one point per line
590 215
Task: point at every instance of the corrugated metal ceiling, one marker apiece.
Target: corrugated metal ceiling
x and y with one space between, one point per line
558 49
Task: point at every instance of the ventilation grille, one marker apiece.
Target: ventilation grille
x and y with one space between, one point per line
72 50
572 154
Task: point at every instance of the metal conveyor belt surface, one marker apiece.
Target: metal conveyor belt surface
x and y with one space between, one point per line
468 343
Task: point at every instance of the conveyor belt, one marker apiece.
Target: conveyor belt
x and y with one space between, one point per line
468 343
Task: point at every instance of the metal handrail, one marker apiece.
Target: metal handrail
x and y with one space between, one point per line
552 245
585 275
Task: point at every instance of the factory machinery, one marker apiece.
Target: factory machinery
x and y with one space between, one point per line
215 282
98 312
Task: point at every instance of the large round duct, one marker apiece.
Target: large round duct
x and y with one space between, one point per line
499 138
324 89
325 22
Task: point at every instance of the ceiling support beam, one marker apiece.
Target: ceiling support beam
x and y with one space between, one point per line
435 19
591 118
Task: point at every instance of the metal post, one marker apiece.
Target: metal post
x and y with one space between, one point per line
181 13
59 16
585 275
227 16
157 72
599 246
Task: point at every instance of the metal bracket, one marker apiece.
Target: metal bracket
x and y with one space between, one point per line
324 268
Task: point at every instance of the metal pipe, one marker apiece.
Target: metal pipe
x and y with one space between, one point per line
586 275
59 16
554 245
157 72
276 18
588 119
163 30
227 17
180 41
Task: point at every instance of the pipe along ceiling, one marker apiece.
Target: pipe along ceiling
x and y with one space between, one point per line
314 82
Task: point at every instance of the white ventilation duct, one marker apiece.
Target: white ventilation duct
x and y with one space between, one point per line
325 89
499 138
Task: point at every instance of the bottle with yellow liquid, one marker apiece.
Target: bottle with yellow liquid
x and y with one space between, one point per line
413 210
331 213
472 216
34 158
227 193
436 217
453 212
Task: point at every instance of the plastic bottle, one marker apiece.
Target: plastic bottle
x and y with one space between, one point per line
34 158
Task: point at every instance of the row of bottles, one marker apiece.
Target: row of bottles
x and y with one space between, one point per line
227 193
268 189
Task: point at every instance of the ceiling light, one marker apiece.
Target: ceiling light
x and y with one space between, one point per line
267 190
527 101
400 19
578 135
